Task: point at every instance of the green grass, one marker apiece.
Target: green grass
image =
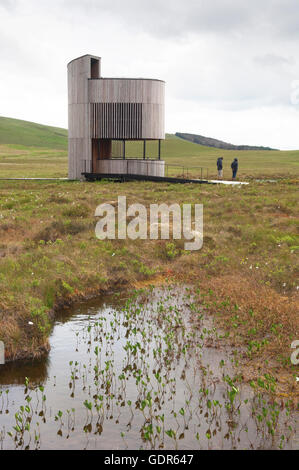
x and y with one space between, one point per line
49 253
34 150
17 161
248 264
252 163
31 134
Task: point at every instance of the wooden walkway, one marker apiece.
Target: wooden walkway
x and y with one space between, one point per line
161 179
123 178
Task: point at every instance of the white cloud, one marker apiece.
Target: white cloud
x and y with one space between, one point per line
229 65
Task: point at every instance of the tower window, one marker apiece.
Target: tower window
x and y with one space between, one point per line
94 68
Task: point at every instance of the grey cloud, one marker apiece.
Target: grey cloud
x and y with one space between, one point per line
214 54
8 4
16 56
272 60
169 18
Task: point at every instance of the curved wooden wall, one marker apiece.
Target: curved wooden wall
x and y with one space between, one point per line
148 94
79 142
131 167
109 108
138 102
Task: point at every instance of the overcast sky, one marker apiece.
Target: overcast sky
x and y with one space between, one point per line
231 66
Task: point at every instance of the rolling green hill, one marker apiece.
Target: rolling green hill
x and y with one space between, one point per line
15 131
33 150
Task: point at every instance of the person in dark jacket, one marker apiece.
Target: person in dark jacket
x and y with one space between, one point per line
234 167
220 167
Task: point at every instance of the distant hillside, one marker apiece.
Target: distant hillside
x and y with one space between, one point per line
219 144
31 134
28 149
17 132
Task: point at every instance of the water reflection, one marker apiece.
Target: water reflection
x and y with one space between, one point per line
137 373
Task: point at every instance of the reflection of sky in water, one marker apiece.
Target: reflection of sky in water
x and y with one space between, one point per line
184 377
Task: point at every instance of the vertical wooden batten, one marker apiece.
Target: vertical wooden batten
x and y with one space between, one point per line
104 109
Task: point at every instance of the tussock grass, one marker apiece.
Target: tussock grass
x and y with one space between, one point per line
49 257
258 321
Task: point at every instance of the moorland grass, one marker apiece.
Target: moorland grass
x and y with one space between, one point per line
247 270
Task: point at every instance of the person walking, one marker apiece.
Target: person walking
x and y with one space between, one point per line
234 167
220 167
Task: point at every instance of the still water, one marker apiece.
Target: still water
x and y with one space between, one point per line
145 372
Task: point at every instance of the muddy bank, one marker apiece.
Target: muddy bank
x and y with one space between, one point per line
40 350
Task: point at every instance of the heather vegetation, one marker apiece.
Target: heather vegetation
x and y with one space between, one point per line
246 272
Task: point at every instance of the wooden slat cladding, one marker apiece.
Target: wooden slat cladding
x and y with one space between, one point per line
109 109
126 90
131 167
116 120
